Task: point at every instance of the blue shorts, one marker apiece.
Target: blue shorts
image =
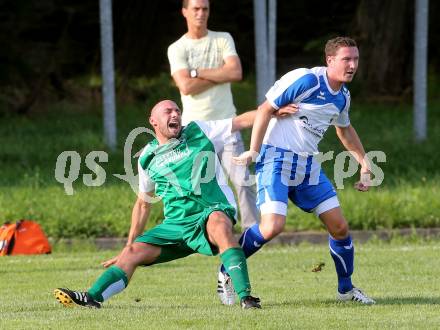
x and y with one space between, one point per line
283 175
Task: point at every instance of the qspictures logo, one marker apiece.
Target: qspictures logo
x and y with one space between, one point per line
68 164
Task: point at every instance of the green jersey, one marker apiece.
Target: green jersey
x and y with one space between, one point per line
186 172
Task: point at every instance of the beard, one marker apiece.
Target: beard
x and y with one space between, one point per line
171 133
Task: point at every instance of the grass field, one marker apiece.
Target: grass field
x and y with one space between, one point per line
402 277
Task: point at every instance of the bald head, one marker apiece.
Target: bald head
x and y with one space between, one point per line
165 104
165 117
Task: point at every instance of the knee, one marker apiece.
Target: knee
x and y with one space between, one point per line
339 230
271 229
133 256
137 254
219 224
127 255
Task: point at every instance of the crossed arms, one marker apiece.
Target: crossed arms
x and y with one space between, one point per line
207 78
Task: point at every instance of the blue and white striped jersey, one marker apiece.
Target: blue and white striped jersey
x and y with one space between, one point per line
319 107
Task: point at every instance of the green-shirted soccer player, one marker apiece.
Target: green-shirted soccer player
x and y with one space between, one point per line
181 167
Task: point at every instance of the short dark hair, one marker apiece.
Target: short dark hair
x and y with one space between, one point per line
185 3
332 45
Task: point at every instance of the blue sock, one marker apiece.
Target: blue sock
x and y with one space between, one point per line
342 252
251 241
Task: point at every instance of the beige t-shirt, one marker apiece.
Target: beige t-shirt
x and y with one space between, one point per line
205 53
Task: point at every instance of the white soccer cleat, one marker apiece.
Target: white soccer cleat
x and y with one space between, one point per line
355 295
225 290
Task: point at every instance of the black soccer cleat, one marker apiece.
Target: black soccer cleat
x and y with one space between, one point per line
68 298
250 302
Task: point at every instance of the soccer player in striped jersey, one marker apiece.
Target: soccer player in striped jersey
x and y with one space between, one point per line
289 165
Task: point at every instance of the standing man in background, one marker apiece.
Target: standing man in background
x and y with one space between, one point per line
203 65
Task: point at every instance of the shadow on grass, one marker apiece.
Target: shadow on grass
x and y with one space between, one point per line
146 305
270 305
409 301
333 303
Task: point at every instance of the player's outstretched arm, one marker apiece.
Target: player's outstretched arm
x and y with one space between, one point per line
247 119
351 141
139 217
286 110
262 118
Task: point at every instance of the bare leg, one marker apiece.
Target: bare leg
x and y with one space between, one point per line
137 254
116 278
271 225
335 223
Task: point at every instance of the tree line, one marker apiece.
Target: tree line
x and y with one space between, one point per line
46 44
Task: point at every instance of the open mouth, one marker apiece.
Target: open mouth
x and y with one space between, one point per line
173 125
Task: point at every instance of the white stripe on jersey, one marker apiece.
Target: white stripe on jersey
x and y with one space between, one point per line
319 107
284 83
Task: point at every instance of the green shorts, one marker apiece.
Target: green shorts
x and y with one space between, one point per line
182 237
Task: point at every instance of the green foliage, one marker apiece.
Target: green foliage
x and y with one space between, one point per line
408 196
401 276
61 43
152 89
